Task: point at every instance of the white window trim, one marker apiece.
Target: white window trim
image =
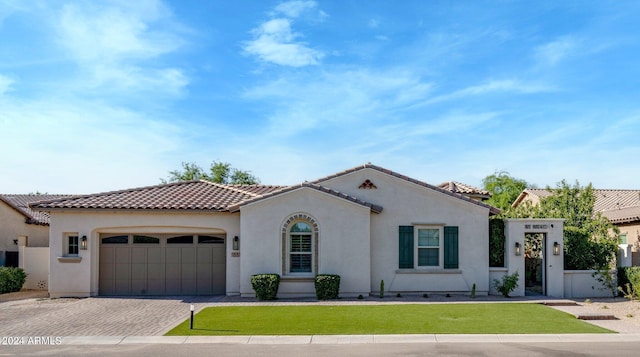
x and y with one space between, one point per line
286 245
289 252
66 237
440 228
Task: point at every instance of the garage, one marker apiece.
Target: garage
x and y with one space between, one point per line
162 264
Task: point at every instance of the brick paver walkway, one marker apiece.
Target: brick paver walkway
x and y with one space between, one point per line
95 316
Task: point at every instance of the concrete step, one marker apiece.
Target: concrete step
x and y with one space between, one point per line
560 303
595 317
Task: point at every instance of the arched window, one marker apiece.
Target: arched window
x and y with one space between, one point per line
300 245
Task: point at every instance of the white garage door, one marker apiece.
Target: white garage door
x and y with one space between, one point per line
162 264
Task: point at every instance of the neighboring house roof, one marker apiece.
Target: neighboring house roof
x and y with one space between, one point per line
208 196
619 206
493 210
185 195
21 203
465 189
373 207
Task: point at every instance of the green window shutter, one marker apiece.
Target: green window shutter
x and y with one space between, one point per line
406 247
451 247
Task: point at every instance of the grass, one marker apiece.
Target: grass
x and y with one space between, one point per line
504 318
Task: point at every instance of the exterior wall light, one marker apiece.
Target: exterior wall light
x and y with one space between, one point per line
83 243
15 242
236 243
556 248
518 249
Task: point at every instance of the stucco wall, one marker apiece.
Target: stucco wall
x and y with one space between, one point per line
406 203
12 225
343 241
81 278
35 262
582 284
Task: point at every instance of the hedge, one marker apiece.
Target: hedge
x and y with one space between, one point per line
327 286
265 286
11 279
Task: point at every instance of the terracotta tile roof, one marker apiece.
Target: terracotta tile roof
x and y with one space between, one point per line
208 196
620 206
492 210
464 189
186 195
21 204
373 207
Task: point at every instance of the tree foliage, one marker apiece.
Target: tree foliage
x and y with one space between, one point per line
219 172
590 240
504 189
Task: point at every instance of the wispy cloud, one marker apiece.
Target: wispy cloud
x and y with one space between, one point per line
337 97
5 84
115 43
492 86
275 42
555 51
294 8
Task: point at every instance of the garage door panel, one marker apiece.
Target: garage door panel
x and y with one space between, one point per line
172 271
122 287
107 286
188 255
139 271
154 271
172 287
203 272
107 255
189 286
172 255
218 254
155 287
204 255
162 269
123 255
188 271
139 287
139 255
154 255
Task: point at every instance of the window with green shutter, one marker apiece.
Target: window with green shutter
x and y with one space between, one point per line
405 247
451 247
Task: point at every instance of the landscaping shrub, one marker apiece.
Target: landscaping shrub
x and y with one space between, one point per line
629 282
508 284
496 242
11 279
265 286
327 286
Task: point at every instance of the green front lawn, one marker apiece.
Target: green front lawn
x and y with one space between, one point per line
489 318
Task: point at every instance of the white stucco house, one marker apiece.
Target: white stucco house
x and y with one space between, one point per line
367 224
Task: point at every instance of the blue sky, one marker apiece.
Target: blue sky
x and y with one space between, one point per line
105 95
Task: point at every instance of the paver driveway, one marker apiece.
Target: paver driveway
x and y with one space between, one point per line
96 316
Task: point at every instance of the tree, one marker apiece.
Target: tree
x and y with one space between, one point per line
504 189
590 240
220 172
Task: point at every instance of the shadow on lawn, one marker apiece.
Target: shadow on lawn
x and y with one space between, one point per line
213 330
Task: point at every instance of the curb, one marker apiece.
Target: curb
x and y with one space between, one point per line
347 339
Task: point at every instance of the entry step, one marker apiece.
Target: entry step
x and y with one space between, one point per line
595 317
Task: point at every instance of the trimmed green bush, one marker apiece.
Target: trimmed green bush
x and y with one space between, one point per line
327 286
265 286
11 279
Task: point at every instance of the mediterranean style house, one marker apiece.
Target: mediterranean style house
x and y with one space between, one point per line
621 207
367 224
